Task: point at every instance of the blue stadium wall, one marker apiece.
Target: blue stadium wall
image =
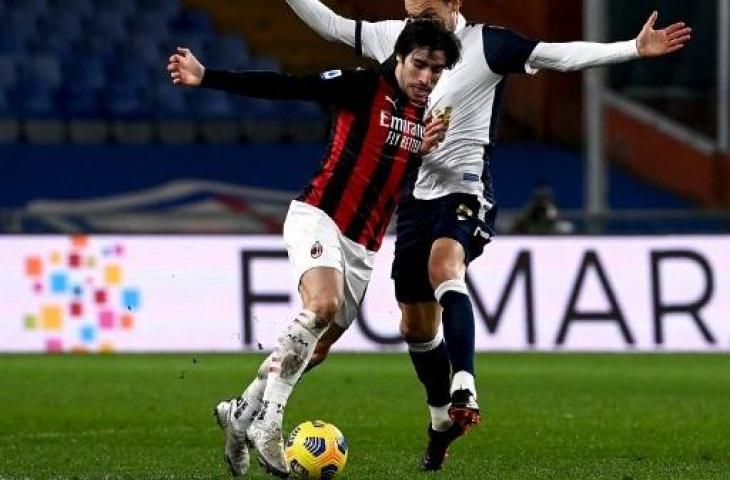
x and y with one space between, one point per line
28 173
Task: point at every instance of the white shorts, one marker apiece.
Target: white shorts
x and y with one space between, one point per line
314 240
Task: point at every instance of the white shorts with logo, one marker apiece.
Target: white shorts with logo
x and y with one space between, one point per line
314 240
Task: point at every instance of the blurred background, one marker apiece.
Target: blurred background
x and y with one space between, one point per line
94 139
138 217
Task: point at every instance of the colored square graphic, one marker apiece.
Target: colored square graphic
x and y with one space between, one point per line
80 241
30 322
77 309
34 267
106 347
113 275
51 317
100 297
106 320
59 282
88 334
131 299
55 258
74 260
54 345
127 321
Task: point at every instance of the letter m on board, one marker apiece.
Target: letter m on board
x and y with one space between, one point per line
521 270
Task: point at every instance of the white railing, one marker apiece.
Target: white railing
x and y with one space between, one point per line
598 96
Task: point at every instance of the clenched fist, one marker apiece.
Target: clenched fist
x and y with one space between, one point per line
185 69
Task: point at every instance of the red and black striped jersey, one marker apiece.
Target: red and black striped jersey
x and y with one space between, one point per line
374 144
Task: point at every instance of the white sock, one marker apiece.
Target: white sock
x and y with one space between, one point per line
288 362
250 403
463 381
440 420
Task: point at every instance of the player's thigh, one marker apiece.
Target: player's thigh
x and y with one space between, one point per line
315 254
420 321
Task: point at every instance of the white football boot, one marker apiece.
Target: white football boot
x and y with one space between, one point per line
266 437
235 452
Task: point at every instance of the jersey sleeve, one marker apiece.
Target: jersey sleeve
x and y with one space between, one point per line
335 87
377 40
507 52
324 21
571 56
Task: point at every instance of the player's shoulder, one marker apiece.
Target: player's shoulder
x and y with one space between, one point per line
500 33
383 26
484 32
356 81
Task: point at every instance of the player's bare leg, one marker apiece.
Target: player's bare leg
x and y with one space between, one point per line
447 270
324 344
321 290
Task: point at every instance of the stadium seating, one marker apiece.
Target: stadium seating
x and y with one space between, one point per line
102 62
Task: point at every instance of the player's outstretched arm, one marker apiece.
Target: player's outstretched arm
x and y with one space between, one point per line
655 43
374 40
185 69
324 21
335 87
582 55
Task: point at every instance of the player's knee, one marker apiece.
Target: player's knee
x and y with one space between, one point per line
446 262
326 307
416 332
442 271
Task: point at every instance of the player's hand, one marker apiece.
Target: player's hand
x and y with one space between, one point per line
433 135
185 69
654 43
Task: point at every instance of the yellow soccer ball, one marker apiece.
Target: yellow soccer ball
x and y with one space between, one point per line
316 450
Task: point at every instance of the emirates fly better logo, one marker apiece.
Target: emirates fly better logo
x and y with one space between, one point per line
83 301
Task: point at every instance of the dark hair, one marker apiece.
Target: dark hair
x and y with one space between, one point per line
431 35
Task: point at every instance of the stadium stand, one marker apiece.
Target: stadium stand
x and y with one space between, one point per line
92 71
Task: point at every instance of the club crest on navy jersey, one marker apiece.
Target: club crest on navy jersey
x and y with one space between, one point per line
464 212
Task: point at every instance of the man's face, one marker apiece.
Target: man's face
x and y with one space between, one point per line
444 11
419 72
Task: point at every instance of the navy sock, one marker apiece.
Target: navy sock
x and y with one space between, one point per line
434 371
458 321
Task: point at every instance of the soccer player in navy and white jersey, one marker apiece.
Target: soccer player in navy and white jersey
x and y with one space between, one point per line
450 216
334 228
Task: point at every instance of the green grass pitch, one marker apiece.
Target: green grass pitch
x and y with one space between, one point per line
546 416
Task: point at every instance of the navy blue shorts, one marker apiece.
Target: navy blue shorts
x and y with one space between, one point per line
420 224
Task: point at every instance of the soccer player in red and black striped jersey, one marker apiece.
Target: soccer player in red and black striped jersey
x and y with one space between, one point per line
334 228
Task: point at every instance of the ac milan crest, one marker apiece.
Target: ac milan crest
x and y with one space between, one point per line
316 250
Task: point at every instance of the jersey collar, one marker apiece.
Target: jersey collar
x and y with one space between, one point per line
460 24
